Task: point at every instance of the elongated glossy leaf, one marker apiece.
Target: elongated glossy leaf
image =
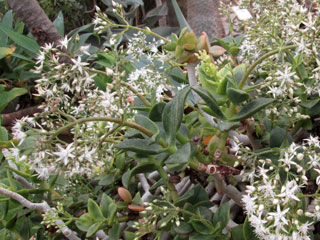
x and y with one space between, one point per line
173 113
210 101
251 108
22 40
277 137
140 146
94 210
7 97
237 96
314 110
59 23
148 124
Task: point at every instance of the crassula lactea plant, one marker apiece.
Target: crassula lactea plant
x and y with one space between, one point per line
239 116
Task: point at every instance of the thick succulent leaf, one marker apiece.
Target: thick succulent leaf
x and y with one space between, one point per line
237 96
156 111
251 108
181 156
140 146
239 72
173 113
148 124
94 210
222 215
210 101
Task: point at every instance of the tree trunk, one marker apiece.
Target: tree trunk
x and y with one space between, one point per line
38 23
204 16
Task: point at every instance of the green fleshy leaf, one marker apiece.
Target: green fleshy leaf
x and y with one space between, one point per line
239 72
210 101
93 229
104 204
114 232
237 96
94 210
149 125
172 115
140 146
84 222
222 215
251 108
182 155
183 228
193 196
156 111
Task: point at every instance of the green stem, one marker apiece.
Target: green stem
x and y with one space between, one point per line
260 60
101 119
140 29
132 89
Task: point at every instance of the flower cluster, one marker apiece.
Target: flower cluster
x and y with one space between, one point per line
284 75
275 200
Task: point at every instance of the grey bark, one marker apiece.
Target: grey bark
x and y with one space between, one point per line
38 23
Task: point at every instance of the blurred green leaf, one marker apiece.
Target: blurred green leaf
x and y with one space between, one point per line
93 229
6 22
222 215
248 231
7 97
23 41
59 23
